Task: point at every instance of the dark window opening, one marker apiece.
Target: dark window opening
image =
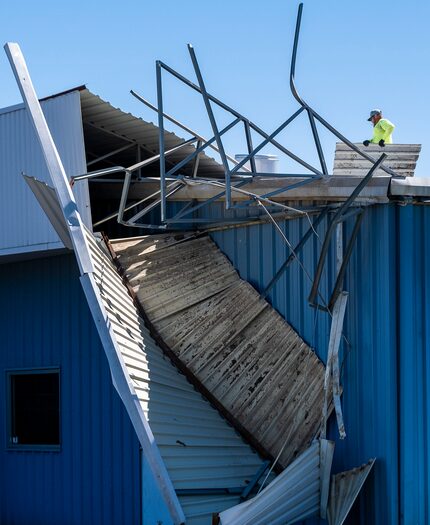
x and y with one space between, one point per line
34 408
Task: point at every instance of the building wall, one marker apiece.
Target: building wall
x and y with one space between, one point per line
95 478
386 370
28 228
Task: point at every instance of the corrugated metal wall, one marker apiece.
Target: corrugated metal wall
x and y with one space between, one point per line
44 322
28 228
414 362
386 373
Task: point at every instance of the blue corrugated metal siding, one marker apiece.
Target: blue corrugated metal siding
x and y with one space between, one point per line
414 363
386 375
28 228
95 478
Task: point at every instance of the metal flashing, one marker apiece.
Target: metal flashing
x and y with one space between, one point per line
48 201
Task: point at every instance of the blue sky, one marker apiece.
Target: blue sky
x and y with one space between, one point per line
353 56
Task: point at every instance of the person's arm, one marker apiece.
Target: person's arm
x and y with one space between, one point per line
387 127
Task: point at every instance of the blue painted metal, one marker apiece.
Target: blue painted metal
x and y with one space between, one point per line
386 368
414 364
94 479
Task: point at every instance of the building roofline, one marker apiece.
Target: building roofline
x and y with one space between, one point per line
17 107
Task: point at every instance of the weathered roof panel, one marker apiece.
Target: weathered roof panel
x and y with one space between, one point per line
401 158
199 448
241 349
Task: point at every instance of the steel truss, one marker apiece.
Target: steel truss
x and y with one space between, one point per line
235 177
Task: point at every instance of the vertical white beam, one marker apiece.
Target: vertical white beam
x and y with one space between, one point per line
120 377
332 384
52 158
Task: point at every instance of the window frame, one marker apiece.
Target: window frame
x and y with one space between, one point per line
10 446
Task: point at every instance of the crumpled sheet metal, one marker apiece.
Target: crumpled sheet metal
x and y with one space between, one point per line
293 496
239 347
344 490
198 446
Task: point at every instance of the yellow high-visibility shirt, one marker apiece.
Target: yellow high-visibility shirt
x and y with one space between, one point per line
383 130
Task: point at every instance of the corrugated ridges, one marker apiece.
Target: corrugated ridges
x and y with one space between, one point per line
401 158
243 352
103 115
200 449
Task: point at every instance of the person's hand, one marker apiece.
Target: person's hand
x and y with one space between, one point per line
382 143
366 142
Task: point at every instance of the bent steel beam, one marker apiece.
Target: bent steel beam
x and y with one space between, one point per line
336 218
313 114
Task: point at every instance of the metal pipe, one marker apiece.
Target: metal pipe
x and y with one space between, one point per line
294 56
293 254
332 226
197 160
267 140
161 142
134 167
213 125
98 173
249 145
241 117
314 113
153 205
202 204
114 152
340 276
146 162
250 194
190 157
113 215
183 126
317 143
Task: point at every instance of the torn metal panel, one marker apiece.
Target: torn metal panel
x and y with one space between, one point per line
344 491
199 448
332 372
293 496
241 349
402 158
48 201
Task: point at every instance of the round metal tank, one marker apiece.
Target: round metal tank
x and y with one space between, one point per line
263 163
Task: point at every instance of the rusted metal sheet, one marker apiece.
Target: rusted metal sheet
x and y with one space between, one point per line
401 158
344 490
239 347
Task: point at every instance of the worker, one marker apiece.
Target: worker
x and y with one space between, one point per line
382 129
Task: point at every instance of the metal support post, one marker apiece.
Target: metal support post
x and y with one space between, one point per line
294 252
337 216
161 143
213 125
317 142
331 378
249 145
